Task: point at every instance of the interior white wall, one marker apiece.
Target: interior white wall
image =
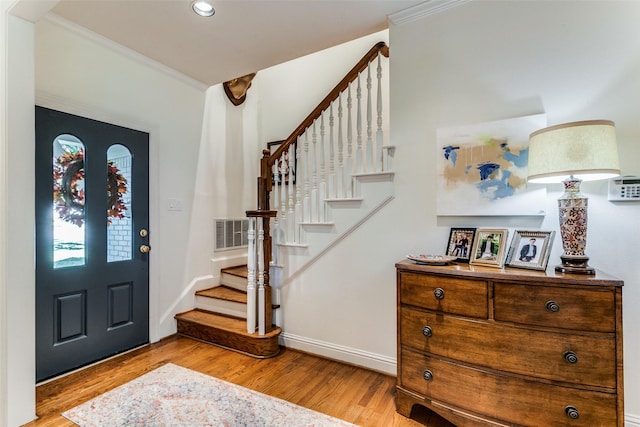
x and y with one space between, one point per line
4 108
18 212
225 187
485 61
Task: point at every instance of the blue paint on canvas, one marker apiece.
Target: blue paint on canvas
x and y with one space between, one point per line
520 160
486 169
450 153
494 188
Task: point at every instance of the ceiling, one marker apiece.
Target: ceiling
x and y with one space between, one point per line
243 36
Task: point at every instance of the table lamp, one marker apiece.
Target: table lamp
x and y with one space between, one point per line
571 153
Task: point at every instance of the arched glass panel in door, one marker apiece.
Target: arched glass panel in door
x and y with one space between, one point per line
68 202
119 223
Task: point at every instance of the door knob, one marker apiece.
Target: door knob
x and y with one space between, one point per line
144 233
145 249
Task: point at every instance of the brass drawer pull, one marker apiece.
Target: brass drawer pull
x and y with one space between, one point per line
572 412
427 331
427 375
438 293
570 357
552 306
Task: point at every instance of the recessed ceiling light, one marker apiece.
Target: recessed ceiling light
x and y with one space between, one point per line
203 8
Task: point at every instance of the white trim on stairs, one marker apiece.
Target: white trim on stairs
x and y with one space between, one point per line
189 291
339 238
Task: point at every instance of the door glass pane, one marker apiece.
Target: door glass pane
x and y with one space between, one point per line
119 224
68 202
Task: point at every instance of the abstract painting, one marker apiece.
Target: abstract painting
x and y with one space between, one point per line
482 169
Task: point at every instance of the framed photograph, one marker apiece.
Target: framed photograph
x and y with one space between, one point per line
459 244
489 247
530 249
284 171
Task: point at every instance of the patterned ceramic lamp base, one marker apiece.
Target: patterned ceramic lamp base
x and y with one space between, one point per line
572 209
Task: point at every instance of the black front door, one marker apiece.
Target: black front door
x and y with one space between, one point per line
92 263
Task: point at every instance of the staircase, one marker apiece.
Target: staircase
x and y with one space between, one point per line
220 317
343 175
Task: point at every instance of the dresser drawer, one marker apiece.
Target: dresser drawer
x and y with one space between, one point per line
451 295
510 400
556 356
567 308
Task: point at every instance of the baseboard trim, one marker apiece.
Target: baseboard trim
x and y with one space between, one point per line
353 356
631 420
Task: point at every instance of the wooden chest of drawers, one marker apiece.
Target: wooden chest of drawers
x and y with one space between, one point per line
483 346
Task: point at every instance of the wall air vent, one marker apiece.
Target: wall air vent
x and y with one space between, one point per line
231 233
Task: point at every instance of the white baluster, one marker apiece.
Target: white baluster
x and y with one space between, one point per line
276 207
322 184
349 167
359 154
283 201
379 161
298 207
369 147
290 213
314 174
261 290
306 208
331 183
251 277
340 176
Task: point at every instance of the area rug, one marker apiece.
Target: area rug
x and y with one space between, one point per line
175 396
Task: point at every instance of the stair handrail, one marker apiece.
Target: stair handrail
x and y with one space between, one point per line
370 56
268 159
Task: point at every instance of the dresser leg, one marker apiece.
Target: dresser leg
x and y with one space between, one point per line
404 403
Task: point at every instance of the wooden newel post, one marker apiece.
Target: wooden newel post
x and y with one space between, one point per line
263 214
268 310
264 205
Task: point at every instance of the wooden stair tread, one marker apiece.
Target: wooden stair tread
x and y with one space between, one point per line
224 293
240 271
231 324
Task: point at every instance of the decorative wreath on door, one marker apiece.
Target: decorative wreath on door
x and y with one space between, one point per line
68 194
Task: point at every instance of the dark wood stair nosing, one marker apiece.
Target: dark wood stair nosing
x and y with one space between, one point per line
229 291
238 271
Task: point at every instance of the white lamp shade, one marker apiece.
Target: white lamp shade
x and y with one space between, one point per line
586 150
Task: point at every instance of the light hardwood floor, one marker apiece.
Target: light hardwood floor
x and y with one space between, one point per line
357 395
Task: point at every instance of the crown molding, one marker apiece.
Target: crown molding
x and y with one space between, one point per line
31 10
125 51
419 11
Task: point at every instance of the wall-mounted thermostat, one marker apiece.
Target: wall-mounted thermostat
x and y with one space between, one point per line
624 189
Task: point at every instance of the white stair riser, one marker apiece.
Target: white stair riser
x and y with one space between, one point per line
215 305
235 282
